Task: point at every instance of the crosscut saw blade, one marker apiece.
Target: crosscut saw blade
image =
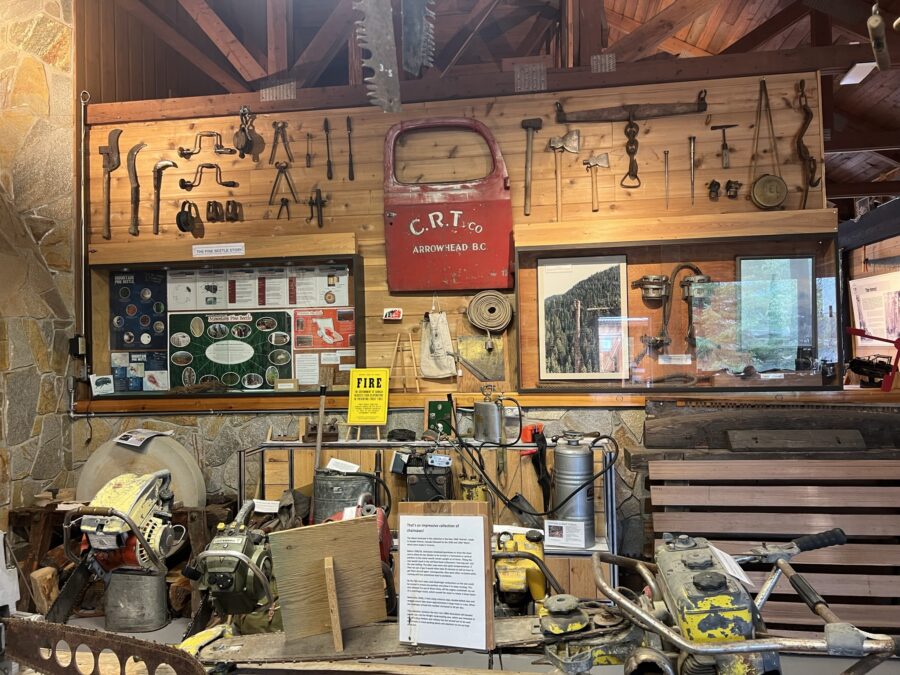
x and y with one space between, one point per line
418 35
375 34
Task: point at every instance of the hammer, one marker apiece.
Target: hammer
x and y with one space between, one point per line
590 165
571 142
726 153
531 125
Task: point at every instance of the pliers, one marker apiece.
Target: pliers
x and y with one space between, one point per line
280 135
285 208
282 171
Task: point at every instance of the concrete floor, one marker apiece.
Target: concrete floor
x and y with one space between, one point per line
791 665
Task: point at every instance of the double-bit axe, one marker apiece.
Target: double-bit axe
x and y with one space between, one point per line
161 166
570 142
591 164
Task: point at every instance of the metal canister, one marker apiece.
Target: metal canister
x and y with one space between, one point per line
136 603
573 465
334 491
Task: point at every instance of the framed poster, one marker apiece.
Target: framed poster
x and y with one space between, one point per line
137 308
583 318
233 350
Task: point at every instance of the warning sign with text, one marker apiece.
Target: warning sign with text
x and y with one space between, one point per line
368 404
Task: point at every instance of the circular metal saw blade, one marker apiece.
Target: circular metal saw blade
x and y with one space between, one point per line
160 452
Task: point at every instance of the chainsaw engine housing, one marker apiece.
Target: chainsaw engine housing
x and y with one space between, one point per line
232 587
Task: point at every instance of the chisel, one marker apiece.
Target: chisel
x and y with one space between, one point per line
350 147
329 169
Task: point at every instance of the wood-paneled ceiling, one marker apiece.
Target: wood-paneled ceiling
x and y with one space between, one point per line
146 49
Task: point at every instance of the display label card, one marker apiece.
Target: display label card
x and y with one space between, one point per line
876 307
243 289
565 533
265 505
442 581
217 250
272 287
212 290
368 403
306 368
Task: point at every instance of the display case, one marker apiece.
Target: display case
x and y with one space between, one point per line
726 314
249 327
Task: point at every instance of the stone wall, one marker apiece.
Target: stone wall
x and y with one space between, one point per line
215 441
36 245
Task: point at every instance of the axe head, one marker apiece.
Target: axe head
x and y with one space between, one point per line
571 142
158 169
596 160
110 151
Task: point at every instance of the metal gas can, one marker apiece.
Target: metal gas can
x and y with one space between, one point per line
573 465
453 235
334 491
135 602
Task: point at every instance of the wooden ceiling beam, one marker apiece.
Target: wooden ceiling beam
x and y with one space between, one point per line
880 188
321 50
862 141
277 23
672 44
827 60
769 28
224 39
852 15
456 45
644 40
182 45
537 34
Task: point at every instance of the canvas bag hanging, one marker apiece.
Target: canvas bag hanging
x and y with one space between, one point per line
436 359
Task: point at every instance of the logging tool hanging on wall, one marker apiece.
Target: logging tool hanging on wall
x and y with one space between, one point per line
768 190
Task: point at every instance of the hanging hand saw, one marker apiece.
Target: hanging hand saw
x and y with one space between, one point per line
623 113
375 34
417 38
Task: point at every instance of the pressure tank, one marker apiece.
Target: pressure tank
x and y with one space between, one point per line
573 465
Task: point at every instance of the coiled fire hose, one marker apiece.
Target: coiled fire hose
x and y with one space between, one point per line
491 312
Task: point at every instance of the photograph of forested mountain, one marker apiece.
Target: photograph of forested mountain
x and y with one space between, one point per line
582 318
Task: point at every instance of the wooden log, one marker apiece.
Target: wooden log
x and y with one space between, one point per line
45 587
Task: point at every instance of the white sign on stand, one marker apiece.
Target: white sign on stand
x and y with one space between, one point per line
443 600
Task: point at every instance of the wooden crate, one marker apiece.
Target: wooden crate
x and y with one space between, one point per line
738 503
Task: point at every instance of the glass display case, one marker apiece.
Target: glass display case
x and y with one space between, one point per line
735 314
254 327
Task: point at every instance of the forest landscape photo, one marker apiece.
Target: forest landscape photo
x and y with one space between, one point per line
583 318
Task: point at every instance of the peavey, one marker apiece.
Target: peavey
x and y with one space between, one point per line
436 220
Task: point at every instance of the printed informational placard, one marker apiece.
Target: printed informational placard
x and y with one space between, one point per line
876 307
442 581
318 286
137 310
368 405
182 290
272 287
211 290
237 350
139 371
324 328
243 289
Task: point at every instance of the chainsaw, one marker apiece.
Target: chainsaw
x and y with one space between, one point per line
234 574
695 616
126 529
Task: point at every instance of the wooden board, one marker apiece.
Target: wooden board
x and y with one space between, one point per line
298 558
774 523
761 496
783 470
859 555
796 439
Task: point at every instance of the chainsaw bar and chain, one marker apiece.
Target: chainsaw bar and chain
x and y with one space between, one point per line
375 34
33 644
417 38
70 593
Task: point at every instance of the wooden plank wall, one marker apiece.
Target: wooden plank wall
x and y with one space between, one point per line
357 206
763 500
118 59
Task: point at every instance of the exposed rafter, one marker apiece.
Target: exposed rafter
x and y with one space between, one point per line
644 40
672 44
852 15
322 49
862 141
182 45
769 28
224 39
278 20
537 34
874 189
457 44
828 60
